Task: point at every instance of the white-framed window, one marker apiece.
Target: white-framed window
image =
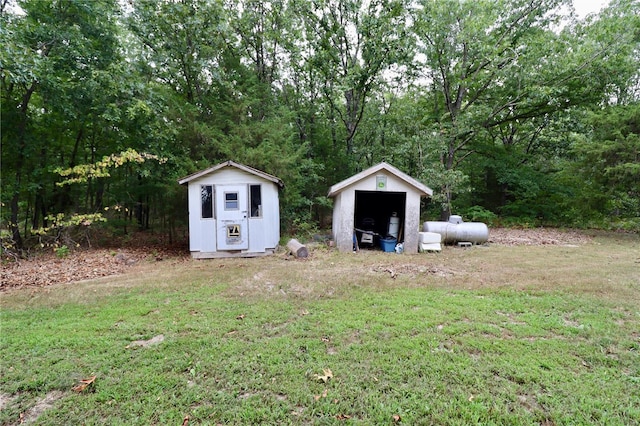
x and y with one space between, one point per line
231 201
206 201
255 201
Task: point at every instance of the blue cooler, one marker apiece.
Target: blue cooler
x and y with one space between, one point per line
388 244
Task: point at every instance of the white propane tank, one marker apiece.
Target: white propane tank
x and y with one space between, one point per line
455 230
394 225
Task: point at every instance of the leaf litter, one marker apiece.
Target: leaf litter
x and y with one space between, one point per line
47 269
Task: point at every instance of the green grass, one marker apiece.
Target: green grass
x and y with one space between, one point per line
498 335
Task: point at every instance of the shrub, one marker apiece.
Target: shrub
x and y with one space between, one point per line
479 214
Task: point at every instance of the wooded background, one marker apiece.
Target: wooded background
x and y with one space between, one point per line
513 111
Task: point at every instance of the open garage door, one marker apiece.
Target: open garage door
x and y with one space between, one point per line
373 210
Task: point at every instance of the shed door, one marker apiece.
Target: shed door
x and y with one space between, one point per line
232 212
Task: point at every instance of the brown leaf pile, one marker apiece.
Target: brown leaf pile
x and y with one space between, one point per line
537 237
48 269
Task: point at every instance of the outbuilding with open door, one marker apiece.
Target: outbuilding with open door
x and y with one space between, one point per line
234 211
377 208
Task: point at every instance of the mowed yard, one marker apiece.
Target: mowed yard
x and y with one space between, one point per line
540 334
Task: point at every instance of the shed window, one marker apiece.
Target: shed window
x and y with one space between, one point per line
255 198
231 201
206 197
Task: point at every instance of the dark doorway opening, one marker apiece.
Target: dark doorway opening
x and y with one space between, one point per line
373 209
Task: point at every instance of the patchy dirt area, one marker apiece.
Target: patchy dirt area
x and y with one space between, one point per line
5 400
146 343
40 406
47 269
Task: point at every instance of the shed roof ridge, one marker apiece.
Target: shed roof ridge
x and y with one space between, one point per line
231 163
338 187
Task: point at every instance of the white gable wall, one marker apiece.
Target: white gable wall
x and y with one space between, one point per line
394 184
263 232
344 210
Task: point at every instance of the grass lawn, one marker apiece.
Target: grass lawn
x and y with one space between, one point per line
488 335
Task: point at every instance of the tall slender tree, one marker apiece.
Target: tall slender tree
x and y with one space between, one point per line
52 50
351 45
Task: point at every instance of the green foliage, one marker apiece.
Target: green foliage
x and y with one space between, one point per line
352 43
62 251
606 164
499 88
65 231
84 172
478 214
485 102
303 229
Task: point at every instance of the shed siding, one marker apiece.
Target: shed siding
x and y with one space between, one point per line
344 210
230 176
264 232
343 217
412 223
393 184
336 226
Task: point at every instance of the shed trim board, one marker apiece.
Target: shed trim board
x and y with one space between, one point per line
375 169
375 194
233 211
230 163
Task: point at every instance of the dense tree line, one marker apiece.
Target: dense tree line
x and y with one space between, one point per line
512 110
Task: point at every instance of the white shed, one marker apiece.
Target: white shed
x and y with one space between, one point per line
365 204
234 211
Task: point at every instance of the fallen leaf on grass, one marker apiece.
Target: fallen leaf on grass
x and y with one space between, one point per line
327 374
84 383
396 418
240 317
298 411
324 395
343 417
185 421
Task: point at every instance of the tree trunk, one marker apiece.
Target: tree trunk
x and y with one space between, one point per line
445 208
15 198
13 222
